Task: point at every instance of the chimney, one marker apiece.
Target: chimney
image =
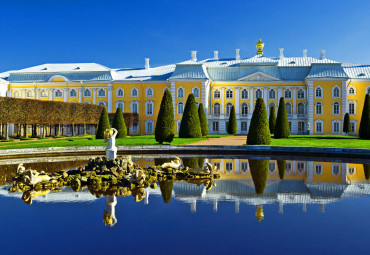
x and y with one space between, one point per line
237 54
305 53
215 54
281 53
147 66
194 55
322 54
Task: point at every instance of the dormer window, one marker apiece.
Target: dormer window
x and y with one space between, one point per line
77 68
292 62
361 74
44 69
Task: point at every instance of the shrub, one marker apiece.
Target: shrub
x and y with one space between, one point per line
165 126
281 167
259 132
166 190
347 123
190 124
282 123
272 119
203 120
364 131
259 171
119 124
103 124
231 126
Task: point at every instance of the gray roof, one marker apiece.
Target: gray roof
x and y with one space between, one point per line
141 74
39 77
327 71
357 71
196 71
64 68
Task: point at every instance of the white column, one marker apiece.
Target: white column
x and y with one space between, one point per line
310 172
237 104
265 96
66 94
222 94
204 96
237 203
110 98
173 94
80 94
310 106
215 206
51 94
37 91
236 167
344 100
251 106
94 95
294 119
193 206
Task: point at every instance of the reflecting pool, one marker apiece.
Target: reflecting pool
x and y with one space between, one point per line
258 206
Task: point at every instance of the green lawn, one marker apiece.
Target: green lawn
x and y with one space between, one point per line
336 141
84 141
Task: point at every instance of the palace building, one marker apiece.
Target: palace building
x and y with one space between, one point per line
317 91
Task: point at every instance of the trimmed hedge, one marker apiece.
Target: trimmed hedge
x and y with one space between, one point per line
166 190
103 124
347 123
281 167
190 162
119 124
364 131
282 123
232 126
203 120
190 124
259 133
259 172
272 119
165 126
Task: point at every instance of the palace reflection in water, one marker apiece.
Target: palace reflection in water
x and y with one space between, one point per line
254 182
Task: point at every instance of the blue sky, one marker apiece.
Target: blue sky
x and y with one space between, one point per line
122 33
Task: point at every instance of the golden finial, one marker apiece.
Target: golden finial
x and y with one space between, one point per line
259 213
259 47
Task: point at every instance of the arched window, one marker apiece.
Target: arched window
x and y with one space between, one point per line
58 93
102 103
244 109
149 108
336 108
228 108
134 107
216 109
180 108
272 94
120 92
301 110
43 93
196 92
229 94
336 92
335 170
318 92
318 108
318 169
180 93
87 102
73 93
149 92
134 92
121 105
101 93
351 91
288 94
244 94
87 93
30 93
300 94
258 93
216 94
288 107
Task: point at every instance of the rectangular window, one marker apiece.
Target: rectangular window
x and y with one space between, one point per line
351 108
318 169
336 127
149 109
318 127
272 166
244 126
216 165
288 166
215 126
336 170
150 127
229 166
300 166
353 127
244 166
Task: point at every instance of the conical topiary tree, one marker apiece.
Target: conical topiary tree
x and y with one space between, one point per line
190 162
281 167
231 126
364 131
165 126
272 119
166 190
282 123
119 124
367 171
347 123
103 124
259 132
259 171
190 124
203 120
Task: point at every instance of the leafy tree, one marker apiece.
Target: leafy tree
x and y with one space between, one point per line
166 190
282 123
190 124
203 120
119 124
281 166
165 126
272 119
103 124
232 126
259 132
347 123
364 131
367 171
259 171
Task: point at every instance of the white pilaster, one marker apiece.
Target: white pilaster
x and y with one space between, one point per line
294 91
80 93
94 95
236 167
280 93
222 94
51 92
37 92
251 96
110 97
205 95
344 100
310 171
310 106
173 94
344 172
66 94
265 96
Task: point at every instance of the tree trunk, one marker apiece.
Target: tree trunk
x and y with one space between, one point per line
73 129
84 128
6 132
26 130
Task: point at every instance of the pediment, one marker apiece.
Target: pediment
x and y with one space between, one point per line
258 76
